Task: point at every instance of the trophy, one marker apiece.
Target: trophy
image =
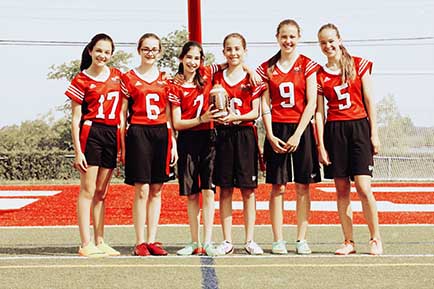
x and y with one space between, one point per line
220 99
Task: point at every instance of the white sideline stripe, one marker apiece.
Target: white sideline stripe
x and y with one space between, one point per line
386 189
28 193
330 206
266 256
13 204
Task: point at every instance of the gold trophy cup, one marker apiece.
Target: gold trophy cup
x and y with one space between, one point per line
220 99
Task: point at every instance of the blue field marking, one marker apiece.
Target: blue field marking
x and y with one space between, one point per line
209 277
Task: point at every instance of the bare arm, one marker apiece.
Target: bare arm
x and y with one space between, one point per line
370 108
311 92
276 143
319 123
123 127
80 160
174 150
255 79
182 124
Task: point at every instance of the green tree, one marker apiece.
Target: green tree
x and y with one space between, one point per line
395 130
34 135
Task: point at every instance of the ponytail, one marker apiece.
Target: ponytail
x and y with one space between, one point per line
86 59
346 64
272 62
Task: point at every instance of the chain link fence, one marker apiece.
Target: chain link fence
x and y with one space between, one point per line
392 168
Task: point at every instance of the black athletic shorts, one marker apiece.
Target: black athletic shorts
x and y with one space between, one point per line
349 147
236 163
302 166
99 144
146 156
196 151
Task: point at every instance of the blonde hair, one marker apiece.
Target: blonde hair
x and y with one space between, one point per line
346 62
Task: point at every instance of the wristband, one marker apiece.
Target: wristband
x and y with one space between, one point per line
266 112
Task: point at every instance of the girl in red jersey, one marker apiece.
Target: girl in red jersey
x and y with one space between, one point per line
236 162
349 139
148 146
192 118
94 94
287 109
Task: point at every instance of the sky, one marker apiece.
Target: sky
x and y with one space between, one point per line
397 35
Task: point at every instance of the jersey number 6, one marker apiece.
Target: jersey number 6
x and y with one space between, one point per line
152 110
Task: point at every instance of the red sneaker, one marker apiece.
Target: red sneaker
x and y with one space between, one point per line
141 250
156 249
199 251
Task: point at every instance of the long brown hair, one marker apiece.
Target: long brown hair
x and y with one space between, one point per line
86 59
346 62
198 78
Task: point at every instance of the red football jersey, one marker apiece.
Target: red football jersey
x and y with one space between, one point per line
100 100
287 88
241 94
344 101
194 101
147 100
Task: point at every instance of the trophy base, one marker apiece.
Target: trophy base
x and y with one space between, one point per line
221 114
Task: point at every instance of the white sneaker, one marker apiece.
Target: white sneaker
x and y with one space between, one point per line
302 248
375 247
108 250
347 248
226 247
253 249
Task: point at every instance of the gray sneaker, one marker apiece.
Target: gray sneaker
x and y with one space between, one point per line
192 248
213 251
302 248
279 248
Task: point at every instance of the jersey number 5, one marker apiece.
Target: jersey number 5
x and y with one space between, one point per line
286 90
113 97
343 96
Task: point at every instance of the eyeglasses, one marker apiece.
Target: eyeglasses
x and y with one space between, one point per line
148 50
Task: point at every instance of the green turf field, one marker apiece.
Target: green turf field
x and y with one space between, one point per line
46 258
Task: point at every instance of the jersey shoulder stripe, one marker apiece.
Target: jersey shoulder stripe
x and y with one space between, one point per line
174 99
310 65
362 65
262 71
76 91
